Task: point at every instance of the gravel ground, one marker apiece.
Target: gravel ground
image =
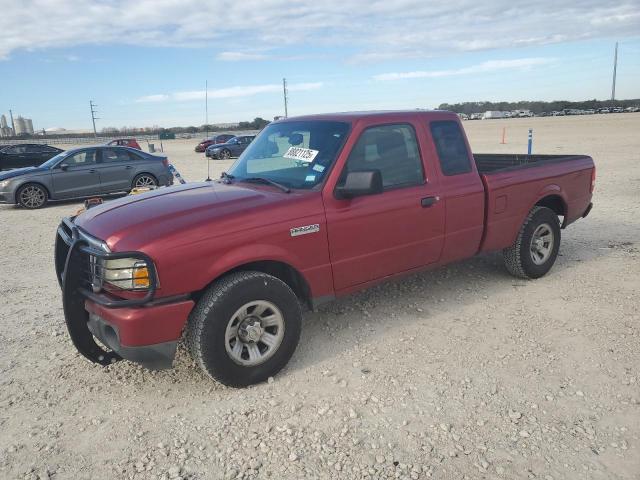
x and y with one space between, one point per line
462 372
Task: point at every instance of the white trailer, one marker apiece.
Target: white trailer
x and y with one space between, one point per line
489 114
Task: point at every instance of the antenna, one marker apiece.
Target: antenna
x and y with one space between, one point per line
286 100
93 117
206 121
206 106
615 67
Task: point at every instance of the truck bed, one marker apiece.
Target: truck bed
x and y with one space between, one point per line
513 183
488 163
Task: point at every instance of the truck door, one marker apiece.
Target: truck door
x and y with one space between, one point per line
462 190
374 236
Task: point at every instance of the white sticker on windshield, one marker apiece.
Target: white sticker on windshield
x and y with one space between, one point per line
318 168
310 178
302 154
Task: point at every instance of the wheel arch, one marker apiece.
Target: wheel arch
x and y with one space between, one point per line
554 202
144 172
277 268
31 182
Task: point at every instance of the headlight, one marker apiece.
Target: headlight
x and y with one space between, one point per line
126 273
4 183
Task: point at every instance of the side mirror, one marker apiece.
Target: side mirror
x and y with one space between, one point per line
357 184
63 166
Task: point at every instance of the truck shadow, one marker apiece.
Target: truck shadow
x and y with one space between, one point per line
361 318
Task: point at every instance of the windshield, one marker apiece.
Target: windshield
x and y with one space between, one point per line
53 160
294 154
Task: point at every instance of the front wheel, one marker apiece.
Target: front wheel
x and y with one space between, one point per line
224 154
536 247
32 196
245 328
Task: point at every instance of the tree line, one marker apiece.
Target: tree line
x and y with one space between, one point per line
536 106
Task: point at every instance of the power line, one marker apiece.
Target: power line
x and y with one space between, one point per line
93 117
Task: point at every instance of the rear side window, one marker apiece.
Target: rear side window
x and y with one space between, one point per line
392 149
116 155
452 150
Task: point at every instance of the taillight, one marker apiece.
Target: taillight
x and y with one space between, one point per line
593 179
165 162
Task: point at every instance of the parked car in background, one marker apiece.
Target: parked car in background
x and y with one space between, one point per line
125 142
26 155
233 148
216 139
83 172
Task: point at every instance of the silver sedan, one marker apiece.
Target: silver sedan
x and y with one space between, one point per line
84 172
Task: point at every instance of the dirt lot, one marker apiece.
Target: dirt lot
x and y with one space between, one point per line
463 372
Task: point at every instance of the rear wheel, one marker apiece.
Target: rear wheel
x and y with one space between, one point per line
144 180
32 196
245 328
536 247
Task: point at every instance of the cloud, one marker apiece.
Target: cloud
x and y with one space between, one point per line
229 92
152 98
240 56
485 67
373 30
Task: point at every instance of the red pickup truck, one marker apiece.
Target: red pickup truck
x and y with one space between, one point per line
317 207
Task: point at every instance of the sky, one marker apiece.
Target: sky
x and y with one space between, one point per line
146 63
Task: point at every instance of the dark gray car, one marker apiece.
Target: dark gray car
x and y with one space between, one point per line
83 172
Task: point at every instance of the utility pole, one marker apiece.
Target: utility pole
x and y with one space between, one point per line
286 100
13 125
93 117
615 67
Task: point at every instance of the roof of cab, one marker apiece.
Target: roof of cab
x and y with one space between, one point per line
392 115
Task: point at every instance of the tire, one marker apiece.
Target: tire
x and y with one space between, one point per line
224 155
32 196
143 180
227 358
532 255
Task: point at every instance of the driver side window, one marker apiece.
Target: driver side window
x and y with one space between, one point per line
392 149
80 159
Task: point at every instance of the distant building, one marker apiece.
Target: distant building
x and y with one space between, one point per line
21 126
5 131
24 126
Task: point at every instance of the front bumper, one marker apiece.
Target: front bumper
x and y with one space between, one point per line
8 195
139 329
146 335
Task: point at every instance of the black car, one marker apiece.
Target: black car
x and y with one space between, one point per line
26 155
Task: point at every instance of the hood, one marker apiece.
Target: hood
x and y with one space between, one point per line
167 215
21 171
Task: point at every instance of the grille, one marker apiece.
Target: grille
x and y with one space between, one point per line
93 269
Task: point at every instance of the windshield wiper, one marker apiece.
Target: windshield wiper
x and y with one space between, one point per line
265 180
226 177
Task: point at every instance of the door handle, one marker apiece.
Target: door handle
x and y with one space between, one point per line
128 167
427 202
93 170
